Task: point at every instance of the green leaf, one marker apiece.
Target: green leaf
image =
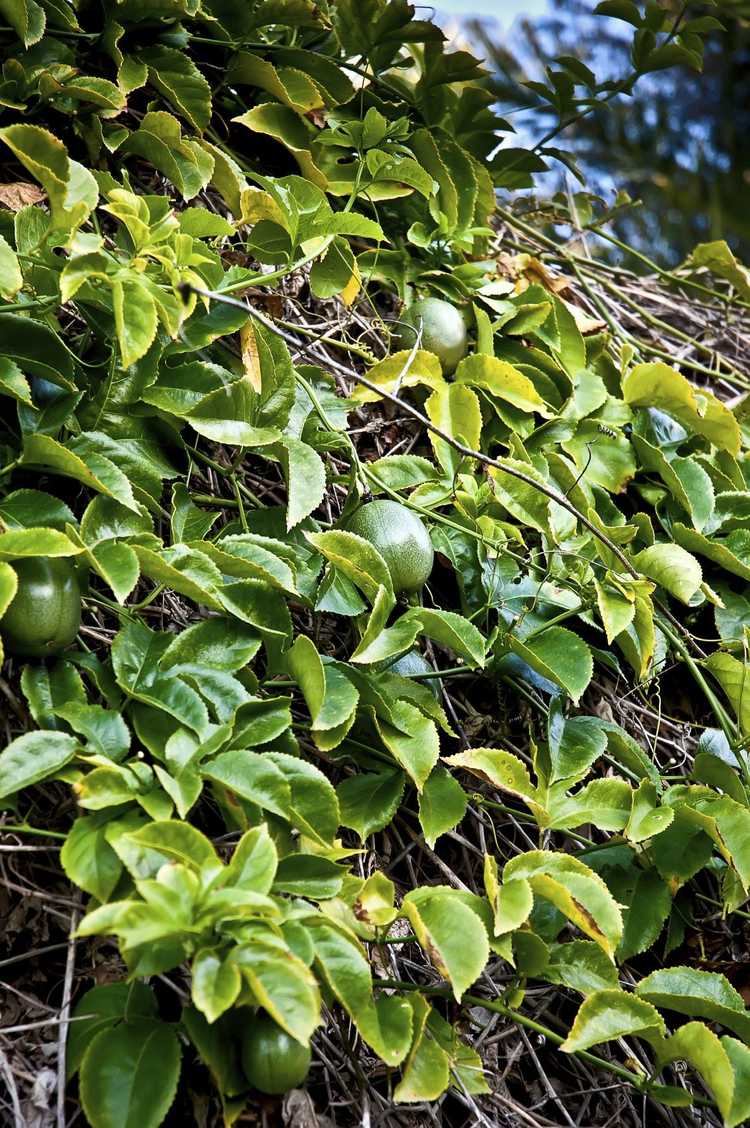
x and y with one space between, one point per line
369 801
528 505
135 319
136 651
36 349
412 739
78 460
426 1071
402 471
442 804
718 258
20 543
673 568
288 127
649 905
575 890
658 385
8 586
616 608
502 381
176 76
101 1008
454 410
575 743
71 188
11 279
290 85
359 561
180 841
612 1014
385 1023
26 17
305 875
700 994
118 566
603 802
603 460
731 675
558 655
129 1075
582 966
330 696
451 631
254 777
314 806
450 932
739 1058
216 983
33 757
699 1046
401 370
511 901
647 818
305 479
259 605
88 859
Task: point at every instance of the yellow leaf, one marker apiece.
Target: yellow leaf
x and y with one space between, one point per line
352 288
250 357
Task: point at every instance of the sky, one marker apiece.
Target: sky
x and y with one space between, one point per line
502 11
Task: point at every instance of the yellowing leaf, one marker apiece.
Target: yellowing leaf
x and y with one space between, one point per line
658 385
250 356
399 371
609 1014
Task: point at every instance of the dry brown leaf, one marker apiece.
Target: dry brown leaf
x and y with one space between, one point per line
586 324
20 194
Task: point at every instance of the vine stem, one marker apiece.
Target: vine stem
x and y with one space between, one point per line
498 1007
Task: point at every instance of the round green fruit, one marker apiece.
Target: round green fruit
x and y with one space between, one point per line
45 613
400 538
443 331
273 1061
412 665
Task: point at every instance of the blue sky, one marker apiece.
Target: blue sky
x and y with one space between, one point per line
503 11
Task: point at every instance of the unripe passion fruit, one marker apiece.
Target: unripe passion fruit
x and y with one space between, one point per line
273 1061
45 613
442 327
400 538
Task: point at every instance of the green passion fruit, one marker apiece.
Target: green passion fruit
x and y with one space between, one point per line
45 613
442 327
400 538
412 665
273 1061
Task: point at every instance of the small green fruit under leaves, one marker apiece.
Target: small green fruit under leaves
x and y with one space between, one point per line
273 1061
442 328
45 613
400 537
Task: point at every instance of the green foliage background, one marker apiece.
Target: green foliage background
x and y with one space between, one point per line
228 721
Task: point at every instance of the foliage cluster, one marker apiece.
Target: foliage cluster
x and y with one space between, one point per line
229 720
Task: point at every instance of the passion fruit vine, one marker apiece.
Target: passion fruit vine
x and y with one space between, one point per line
273 1061
400 538
45 613
442 327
